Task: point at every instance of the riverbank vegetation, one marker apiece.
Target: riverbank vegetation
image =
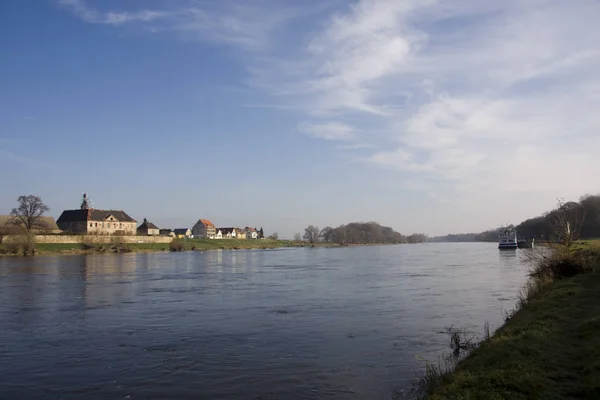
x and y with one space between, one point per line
358 233
117 246
549 346
542 228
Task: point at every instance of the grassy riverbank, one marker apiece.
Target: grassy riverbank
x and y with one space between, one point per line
548 349
177 245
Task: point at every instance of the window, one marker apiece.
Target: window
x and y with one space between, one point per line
91 224
96 224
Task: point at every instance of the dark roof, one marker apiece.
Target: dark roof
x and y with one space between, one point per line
180 231
93 215
226 230
45 223
147 225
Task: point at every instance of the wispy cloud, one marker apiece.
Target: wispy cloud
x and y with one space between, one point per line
92 15
332 130
248 26
478 94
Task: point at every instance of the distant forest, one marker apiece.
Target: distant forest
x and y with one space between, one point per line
359 233
538 227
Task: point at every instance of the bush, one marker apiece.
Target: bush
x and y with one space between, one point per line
13 248
94 247
176 245
118 245
558 262
22 244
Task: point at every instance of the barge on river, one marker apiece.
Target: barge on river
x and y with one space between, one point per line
507 239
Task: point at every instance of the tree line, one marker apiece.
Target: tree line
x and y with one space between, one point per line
577 219
358 233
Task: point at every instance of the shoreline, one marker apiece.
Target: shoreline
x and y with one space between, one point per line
548 347
49 249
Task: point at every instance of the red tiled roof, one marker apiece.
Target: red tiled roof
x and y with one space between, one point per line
207 223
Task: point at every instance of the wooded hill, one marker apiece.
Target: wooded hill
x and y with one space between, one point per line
540 228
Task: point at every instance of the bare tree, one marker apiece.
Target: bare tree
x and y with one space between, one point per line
274 236
28 215
297 237
311 234
327 234
565 221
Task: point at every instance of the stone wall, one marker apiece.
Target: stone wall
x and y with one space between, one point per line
91 239
108 227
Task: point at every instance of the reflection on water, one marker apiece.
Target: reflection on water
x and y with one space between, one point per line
285 323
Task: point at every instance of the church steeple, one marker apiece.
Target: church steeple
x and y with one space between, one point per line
84 204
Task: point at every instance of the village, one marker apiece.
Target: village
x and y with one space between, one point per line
87 220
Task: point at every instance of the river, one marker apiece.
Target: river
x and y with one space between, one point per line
306 323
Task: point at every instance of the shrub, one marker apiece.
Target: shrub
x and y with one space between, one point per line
13 248
558 262
118 245
176 245
22 244
94 247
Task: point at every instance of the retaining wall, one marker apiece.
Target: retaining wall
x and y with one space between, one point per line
90 239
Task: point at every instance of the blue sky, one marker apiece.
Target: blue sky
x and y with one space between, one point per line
429 116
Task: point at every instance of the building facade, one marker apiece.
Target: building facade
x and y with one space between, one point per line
148 228
182 233
228 233
251 233
204 229
91 221
166 232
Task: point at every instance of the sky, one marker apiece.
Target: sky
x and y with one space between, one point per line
431 116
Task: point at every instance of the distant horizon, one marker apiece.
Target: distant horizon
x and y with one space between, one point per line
267 232
433 116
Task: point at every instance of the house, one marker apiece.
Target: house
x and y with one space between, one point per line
228 233
218 234
8 224
240 233
182 233
251 233
91 221
204 229
166 232
148 228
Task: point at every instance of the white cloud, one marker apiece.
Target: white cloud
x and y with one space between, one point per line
89 14
490 98
508 97
329 130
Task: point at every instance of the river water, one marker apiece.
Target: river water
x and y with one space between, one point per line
307 323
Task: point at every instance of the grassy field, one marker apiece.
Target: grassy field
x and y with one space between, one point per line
181 245
549 349
588 243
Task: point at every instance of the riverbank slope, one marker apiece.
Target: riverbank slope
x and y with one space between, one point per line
177 245
548 349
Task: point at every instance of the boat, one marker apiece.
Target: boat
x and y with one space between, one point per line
507 239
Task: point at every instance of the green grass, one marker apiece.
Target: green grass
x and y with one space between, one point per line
586 243
234 244
187 245
549 349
